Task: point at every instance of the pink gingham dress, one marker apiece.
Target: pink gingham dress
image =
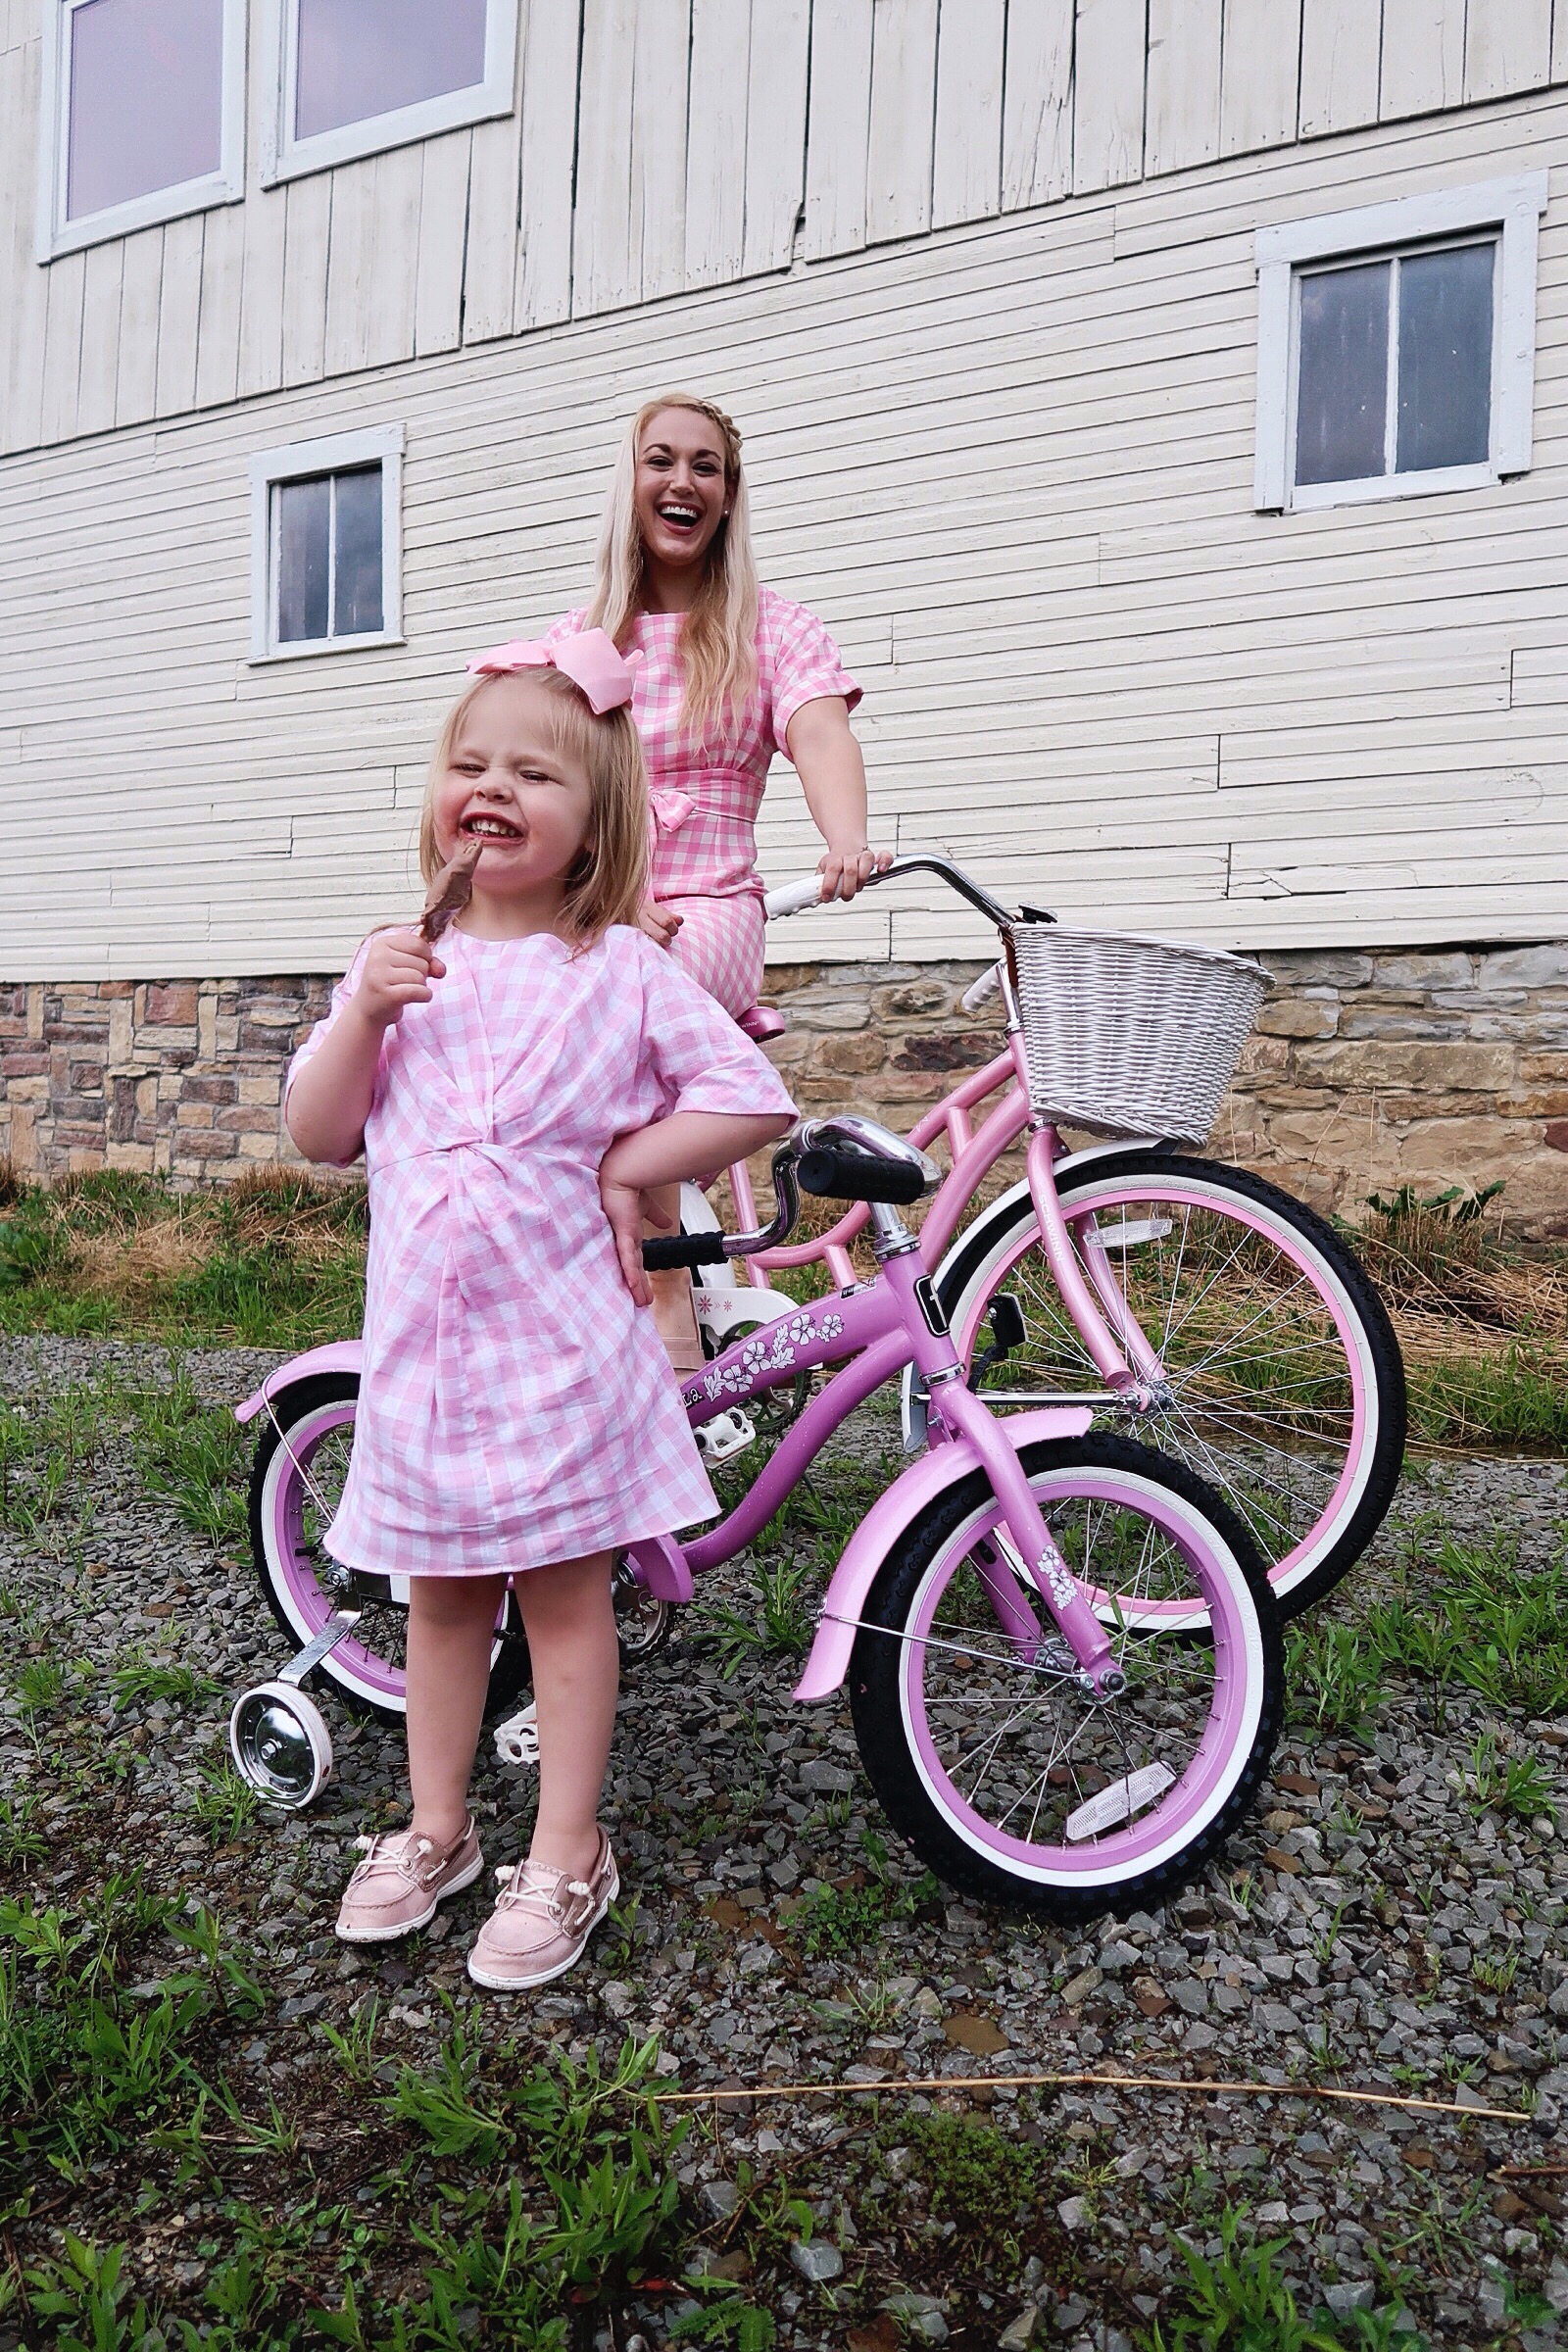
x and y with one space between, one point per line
705 796
515 1408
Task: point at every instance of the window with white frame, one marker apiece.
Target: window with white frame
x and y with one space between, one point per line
1396 346
325 551
355 76
143 114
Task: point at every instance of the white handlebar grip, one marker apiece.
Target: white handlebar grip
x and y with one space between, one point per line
980 991
793 898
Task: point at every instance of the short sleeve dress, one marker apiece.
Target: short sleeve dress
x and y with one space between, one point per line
516 1408
707 794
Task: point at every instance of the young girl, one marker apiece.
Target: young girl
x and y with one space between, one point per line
514 1095
731 672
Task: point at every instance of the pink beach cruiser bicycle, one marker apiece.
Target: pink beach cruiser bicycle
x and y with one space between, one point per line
1063 1659
1196 1303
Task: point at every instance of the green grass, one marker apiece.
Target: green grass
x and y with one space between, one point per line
1516 1400
1466 1617
274 1259
1240 2301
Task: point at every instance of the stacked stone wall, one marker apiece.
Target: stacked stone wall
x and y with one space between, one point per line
1366 1070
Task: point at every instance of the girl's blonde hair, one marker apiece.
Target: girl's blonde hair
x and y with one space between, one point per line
609 881
719 636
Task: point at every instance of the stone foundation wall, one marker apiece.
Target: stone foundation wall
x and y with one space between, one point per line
1366 1071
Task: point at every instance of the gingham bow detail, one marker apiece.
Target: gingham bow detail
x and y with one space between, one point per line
671 807
591 659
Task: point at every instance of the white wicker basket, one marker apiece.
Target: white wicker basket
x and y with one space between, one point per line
1131 1036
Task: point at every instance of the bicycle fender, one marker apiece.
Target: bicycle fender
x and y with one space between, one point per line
912 1493
339 1355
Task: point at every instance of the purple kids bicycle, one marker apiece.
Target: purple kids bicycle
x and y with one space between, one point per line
1063 1659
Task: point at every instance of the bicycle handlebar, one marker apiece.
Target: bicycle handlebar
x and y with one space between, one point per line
793 898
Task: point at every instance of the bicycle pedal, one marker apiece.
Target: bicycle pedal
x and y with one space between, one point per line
726 1434
516 1740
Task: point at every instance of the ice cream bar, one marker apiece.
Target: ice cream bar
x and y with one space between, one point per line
449 891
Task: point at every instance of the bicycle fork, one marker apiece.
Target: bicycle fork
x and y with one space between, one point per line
962 1414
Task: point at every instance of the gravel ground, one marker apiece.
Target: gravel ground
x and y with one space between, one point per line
1348 1941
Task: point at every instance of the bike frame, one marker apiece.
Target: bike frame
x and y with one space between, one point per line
880 1327
1114 1340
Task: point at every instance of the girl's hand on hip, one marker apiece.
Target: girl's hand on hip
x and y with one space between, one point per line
398 970
626 1209
659 922
844 871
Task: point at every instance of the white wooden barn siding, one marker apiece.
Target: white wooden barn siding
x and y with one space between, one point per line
1011 464
818 127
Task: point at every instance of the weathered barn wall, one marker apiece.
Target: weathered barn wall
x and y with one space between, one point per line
1367 1071
1011 466
661 145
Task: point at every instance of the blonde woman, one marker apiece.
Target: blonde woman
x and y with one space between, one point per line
730 673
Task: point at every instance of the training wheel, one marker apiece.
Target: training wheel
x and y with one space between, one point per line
280 1744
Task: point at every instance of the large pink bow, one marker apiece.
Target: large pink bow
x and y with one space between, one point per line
591 660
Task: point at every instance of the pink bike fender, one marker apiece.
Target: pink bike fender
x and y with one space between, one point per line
341 1355
660 1565
883 1525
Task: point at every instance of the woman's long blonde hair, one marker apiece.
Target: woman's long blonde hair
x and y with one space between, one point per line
609 881
718 637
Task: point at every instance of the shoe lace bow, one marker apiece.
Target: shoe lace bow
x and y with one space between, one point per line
383 1851
550 1890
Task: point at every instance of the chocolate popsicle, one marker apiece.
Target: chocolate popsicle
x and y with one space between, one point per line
449 891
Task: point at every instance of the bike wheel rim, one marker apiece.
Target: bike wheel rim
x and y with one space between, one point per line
1218 1758
284 1498
1289 1567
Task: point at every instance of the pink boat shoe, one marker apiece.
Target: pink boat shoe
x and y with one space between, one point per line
403 1877
541 1922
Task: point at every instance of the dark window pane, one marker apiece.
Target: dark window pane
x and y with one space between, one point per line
363 58
303 520
1446 357
356 585
146 99
1343 380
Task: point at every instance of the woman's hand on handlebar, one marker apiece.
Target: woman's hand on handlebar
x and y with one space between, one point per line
846 871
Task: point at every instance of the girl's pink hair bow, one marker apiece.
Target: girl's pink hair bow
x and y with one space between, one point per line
591 660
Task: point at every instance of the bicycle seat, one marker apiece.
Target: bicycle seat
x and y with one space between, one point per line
762 1022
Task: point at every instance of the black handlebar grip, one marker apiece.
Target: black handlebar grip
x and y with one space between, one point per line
834 1173
684 1249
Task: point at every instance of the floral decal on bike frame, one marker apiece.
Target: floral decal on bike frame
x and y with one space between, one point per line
771 1350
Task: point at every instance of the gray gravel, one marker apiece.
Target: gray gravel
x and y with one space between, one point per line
1369 1930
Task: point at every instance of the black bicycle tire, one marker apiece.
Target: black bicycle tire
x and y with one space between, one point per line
975 1245
878 1720
510 1672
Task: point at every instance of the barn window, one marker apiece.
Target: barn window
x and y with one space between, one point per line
355 76
1396 347
143 114
324 554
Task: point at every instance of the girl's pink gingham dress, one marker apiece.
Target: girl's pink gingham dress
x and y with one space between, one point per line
516 1408
705 796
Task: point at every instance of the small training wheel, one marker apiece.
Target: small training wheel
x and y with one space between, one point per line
280 1744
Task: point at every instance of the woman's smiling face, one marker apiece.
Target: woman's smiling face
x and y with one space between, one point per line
679 492
510 784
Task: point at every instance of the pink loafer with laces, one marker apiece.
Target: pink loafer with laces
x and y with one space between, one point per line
541 1922
403 1877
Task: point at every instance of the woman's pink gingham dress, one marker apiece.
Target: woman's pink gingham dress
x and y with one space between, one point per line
516 1408
705 796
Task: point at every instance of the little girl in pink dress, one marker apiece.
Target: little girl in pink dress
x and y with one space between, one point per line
512 1095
